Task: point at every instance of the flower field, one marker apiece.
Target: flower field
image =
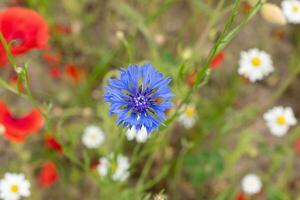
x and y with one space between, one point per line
150 99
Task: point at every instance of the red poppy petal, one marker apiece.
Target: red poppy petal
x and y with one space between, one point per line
297 146
74 72
3 58
4 110
218 60
18 128
15 136
30 123
52 58
48 174
52 143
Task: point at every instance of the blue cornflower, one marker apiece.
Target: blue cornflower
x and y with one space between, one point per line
139 97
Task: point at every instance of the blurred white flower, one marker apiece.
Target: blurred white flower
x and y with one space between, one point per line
279 120
188 116
187 54
160 39
120 35
140 135
291 10
121 172
255 64
160 197
103 166
118 168
14 186
251 184
93 137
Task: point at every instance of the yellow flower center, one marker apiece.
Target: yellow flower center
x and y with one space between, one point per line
281 120
14 188
296 8
256 62
190 111
114 167
93 136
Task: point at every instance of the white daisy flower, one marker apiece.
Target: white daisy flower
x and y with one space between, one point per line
118 168
103 166
254 64
251 184
141 135
121 169
188 116
291 10
279 120
93 137
14 186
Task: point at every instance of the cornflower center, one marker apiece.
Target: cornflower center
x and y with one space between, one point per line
256 62
14 188
281 120
140 101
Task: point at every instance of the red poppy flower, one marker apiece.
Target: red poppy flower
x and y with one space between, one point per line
3 58
48 174
74 72
16 129
25 28
52 58
54 72
217 61
241 196
246 6
94 164
297 146
52 143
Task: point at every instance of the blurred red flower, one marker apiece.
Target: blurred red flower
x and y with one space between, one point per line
52 58
25 28
52 143
54 72
16 129
48 174
241 196
94 164
297 146
62 29
191 77
3 58
74 72
246 6
218 60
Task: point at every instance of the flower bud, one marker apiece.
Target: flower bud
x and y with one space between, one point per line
273 14
120 35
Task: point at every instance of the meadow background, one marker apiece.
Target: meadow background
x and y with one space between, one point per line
180 38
